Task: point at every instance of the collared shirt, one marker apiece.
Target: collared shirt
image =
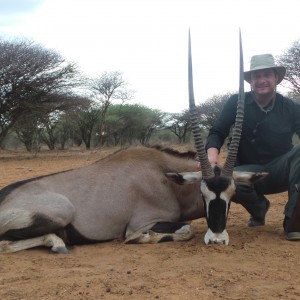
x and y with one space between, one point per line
266 133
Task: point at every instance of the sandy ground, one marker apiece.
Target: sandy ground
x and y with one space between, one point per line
258 263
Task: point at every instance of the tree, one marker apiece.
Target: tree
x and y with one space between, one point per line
48 133
108 87
291 60
28 130
294 96
129 123
179 124
86 120
210 110
65 131
57 126
151 120
33 80
115 125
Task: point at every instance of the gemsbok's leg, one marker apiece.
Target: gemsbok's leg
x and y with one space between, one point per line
162 232
49 240
35 222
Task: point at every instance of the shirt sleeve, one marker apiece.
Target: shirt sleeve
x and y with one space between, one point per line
221 128
297 119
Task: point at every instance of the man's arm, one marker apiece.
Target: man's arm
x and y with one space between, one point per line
220 130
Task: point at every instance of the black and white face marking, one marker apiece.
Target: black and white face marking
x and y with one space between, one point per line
217 193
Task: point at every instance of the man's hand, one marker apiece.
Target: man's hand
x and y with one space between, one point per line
213 155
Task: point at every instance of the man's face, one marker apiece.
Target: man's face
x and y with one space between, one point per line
263 82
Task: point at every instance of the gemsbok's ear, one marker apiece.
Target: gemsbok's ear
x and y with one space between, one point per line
248 177
185 177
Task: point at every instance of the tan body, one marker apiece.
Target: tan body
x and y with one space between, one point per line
122 194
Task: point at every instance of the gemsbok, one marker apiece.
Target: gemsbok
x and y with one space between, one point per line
129 195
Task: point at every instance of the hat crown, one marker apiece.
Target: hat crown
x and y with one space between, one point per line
262 61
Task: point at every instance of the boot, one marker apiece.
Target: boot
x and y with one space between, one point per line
259 221
292 225
256 205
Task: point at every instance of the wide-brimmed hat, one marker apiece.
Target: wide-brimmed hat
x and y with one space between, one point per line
264 61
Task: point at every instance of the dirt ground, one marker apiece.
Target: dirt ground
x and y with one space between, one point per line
258 263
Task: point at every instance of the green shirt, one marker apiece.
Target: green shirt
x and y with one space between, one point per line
266 134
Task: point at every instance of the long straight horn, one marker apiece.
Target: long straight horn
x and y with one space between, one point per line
206 168
234 145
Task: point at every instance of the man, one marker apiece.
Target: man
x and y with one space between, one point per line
266 143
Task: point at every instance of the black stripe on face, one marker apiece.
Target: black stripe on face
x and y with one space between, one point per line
217 215
217 209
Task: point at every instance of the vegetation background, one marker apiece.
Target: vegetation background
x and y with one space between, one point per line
46 103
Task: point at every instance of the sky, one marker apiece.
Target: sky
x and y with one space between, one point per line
147 40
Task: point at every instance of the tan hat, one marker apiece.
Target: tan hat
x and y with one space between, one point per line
264 61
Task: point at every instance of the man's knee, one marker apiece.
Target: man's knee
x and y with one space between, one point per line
294 161
244 191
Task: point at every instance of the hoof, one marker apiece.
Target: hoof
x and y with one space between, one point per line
62 250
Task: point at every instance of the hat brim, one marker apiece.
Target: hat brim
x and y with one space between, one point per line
280 73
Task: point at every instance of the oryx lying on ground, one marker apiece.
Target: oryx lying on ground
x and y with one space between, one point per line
126 195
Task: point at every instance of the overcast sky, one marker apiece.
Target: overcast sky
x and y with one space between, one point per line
146 40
